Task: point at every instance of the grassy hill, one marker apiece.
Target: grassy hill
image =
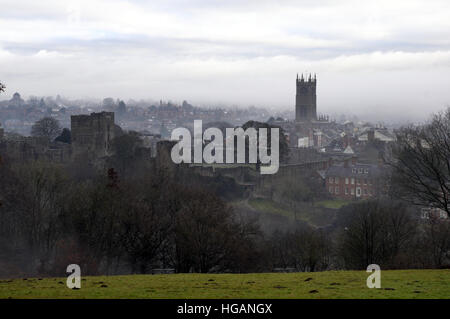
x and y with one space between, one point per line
329 284
320 214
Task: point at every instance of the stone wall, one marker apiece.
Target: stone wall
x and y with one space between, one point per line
33 149
92 134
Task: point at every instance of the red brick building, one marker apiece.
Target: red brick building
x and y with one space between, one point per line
356 181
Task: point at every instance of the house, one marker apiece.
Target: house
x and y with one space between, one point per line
356 181
433 212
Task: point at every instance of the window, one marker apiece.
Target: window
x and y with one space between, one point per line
346 191
365 191
346 180
358 181
336 180
365 181
336 190
353 170
352 191
330 189
331 180
366 171
353 181
360 170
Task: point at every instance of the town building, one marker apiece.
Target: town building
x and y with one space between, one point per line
353 180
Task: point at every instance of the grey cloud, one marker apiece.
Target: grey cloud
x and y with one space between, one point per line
186 50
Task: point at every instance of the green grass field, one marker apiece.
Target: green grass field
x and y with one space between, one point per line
334 204
330 284
313 215
268 206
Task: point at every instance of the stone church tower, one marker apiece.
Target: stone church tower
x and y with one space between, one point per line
305 100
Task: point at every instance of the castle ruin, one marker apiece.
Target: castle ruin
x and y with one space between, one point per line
92 134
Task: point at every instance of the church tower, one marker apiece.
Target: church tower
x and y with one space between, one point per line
305 100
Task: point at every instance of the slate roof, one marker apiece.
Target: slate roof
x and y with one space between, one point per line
357 170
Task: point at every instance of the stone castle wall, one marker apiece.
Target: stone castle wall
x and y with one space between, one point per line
92 134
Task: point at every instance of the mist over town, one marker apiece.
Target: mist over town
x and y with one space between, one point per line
224 150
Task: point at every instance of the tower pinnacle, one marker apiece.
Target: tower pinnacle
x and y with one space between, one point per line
305 101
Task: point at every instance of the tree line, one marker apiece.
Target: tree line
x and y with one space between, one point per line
49 219
130 218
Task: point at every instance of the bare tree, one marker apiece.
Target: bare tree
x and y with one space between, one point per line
312 250
375 232
203 231
33 196
422 165
143 233
306 249
2 87
46 127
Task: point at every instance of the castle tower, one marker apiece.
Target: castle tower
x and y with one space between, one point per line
305 99
92 134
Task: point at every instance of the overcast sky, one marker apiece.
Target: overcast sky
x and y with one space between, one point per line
383 57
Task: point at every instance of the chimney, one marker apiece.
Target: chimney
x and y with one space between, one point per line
371 136
346 141
380 161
